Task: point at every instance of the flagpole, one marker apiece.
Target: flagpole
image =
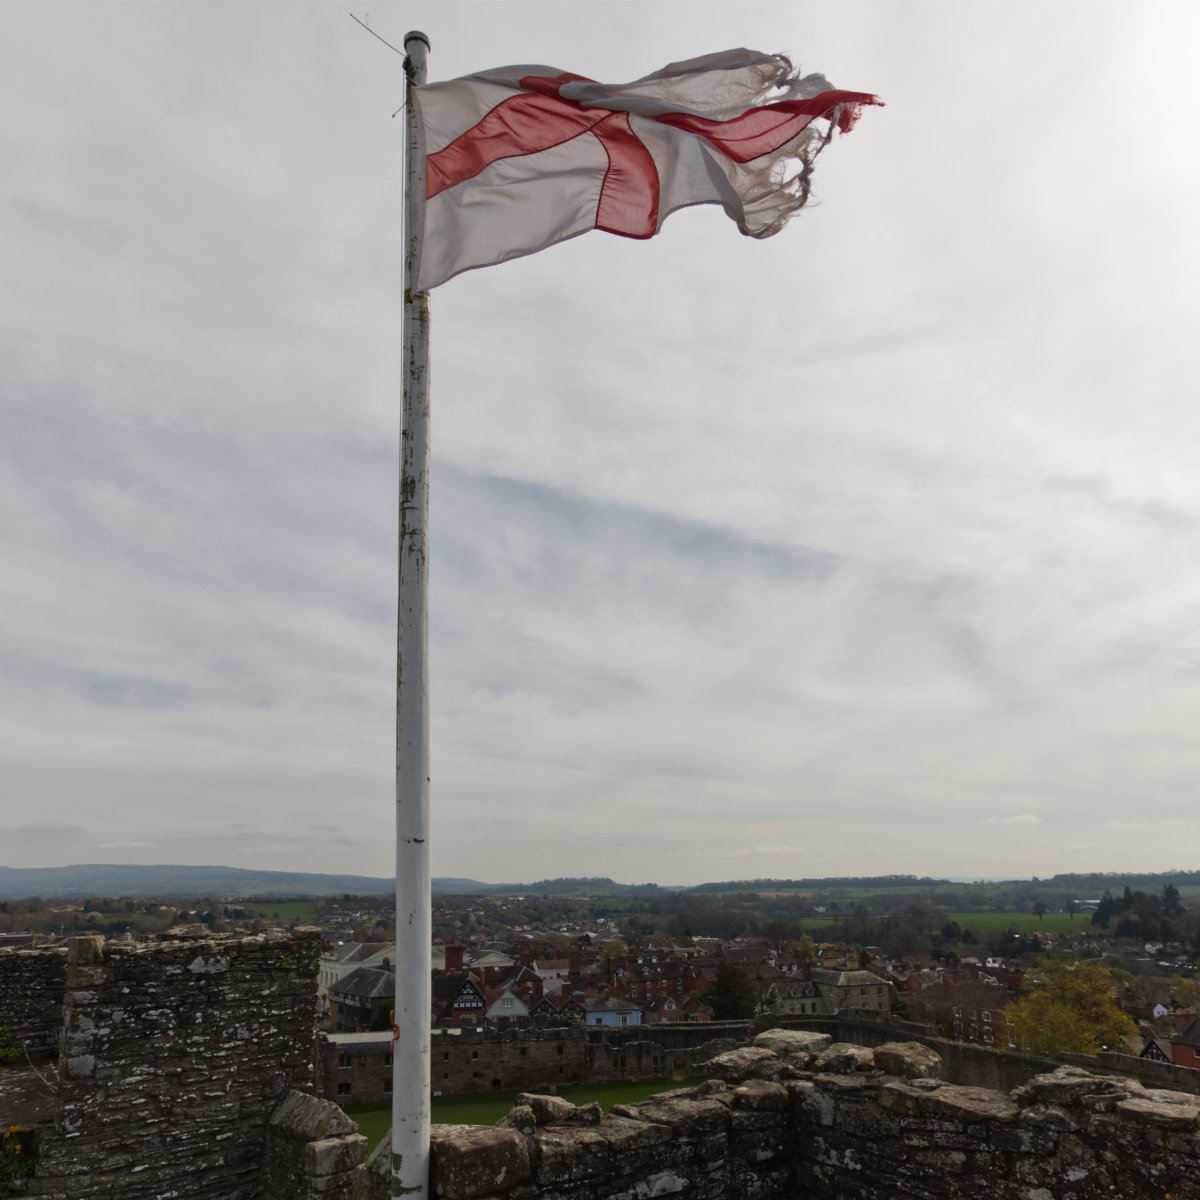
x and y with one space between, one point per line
411 1032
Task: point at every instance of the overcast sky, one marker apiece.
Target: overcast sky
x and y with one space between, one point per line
868 548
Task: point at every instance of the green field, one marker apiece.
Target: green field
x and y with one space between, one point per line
978 922
486 1108
1052 922
281 910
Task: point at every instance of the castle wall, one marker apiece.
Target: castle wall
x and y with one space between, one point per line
175 1060
851 1134
31 984
963 1062
356 1067
312 1150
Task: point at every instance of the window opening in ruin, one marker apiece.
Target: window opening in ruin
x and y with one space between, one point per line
343 1089
344 1061
495 1083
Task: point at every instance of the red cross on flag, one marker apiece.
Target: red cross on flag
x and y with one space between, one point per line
520 158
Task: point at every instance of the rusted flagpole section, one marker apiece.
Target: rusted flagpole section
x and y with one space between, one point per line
411 1033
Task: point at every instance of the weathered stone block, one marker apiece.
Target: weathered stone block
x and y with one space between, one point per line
309 1117
760 1094
1048 1116
1163 1114
909 1060
547 1110
568 1154
793 1043
628 1139
1072 1085
87 950
330 1156
750 1062
482 1161
521 1118
846 1085
690 1118
841 1058
970 1104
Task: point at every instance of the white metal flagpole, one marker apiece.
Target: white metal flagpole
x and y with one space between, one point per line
411 1034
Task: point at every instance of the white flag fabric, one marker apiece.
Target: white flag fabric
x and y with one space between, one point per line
522 157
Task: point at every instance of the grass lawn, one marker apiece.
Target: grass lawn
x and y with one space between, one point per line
280 910
486 1108
982 922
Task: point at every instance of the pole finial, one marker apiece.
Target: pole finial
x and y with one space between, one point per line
415 35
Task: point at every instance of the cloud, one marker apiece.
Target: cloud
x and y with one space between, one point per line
46 834
866 544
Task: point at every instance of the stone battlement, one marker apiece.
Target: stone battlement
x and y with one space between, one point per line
817 1120
183 1067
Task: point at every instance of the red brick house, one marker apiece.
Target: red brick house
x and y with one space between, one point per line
1185 1046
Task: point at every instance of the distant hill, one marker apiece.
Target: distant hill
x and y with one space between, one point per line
111 879
1077 885
96 879
595 885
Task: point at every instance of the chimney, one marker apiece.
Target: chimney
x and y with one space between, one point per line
454 957
806 971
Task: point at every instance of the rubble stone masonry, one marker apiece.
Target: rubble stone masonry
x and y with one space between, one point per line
31 986
185 1072
821 1121
183 1069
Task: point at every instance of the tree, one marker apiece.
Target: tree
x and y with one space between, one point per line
733 994
1068 1009
381 1018
1039 910
859 929
1072 908
1185 992
906 936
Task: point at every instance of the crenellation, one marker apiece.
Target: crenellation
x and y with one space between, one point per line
857 1135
